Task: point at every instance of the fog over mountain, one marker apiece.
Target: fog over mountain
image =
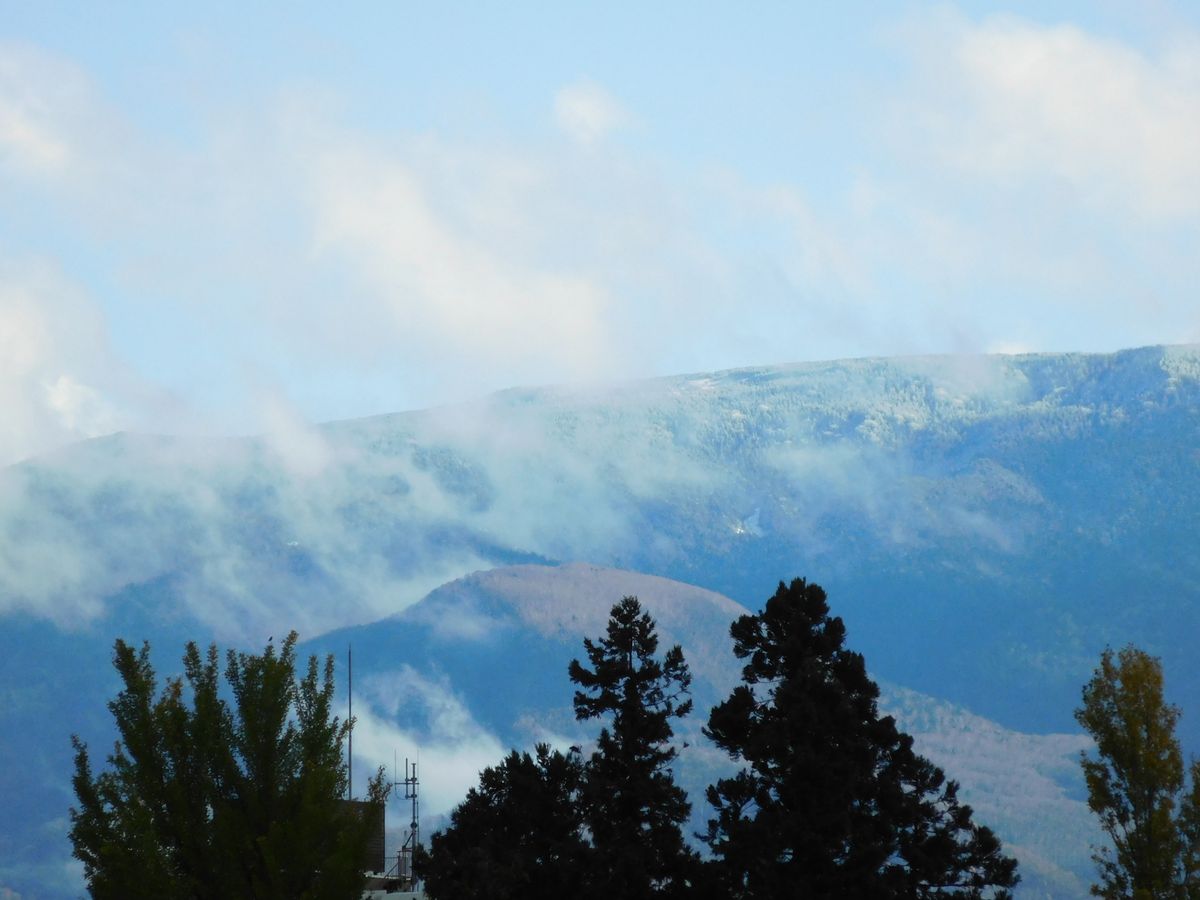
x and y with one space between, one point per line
985 525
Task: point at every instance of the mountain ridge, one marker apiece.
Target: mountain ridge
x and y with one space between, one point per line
930 477
985 525
1180 360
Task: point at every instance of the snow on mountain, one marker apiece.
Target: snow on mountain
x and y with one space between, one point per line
1001 517
985 525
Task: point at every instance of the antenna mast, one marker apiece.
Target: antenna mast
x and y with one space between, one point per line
350 721
412 841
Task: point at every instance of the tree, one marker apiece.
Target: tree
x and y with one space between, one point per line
632 806
201 799
1189 832
519 834
1136 780
832 801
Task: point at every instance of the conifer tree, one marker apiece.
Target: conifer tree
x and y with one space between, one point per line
518 834
832 801
203 799
632 806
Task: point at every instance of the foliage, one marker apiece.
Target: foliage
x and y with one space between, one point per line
1188 824
556 826
208 799
519 834
1136 780
832 800
632 806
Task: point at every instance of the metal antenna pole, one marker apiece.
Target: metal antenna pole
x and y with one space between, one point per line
411 784
408 849
350 721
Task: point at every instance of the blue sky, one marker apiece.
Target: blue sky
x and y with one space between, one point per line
235 219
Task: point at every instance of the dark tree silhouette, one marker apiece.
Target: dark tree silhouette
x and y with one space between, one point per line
203 799
632 806
832 801
519 834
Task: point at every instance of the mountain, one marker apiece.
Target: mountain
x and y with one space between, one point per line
985 525
481 663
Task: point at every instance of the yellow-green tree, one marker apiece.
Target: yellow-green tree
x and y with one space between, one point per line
1135 782
203 797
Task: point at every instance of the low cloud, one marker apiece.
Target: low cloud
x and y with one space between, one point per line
316 528
453 747
245 542
299 447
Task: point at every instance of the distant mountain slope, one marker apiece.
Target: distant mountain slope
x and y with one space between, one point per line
1029 788
989 522
985 524
481 664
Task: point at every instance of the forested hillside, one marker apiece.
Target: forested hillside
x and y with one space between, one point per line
985 525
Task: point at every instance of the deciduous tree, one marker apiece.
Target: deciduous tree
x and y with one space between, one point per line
1135 782
205 799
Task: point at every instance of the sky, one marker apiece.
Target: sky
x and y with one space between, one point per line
232 218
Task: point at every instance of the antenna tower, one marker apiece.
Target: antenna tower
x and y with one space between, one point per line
408 849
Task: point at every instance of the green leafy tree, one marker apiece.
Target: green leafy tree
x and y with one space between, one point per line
518 834
633 808
204 799
1189 833
832 800
1136 782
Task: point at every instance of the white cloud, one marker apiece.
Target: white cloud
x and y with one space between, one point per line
254 546
1015 101
301 449
440 288
36 93
58 132
55 366
81 409
28 143
445 268
453 748
818 255
1010 348
586 112
417 268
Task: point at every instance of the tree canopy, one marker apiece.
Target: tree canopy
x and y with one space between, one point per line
1135 782
205 798
518 834
560 826
832 801
633 808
